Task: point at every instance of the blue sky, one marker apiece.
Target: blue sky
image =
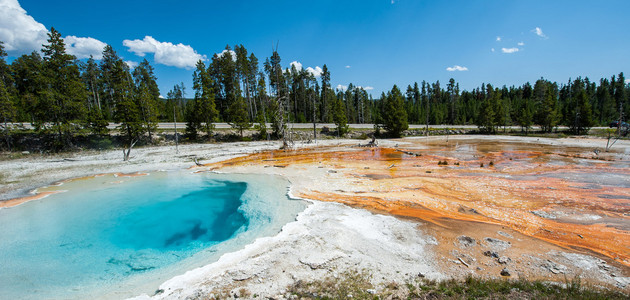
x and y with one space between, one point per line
374 44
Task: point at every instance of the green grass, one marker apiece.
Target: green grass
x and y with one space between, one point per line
358 285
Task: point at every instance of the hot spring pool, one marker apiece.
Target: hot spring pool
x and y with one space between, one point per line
115 237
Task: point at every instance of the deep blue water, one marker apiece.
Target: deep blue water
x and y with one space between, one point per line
121 236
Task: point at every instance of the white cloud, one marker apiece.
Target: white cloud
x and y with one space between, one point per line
83 47
131 64
627 81
498 38
539 32
456 68
509 50
521 44
492 49
232 54
348 67
297 64
342 88
20 32
368 88
166 53
317 72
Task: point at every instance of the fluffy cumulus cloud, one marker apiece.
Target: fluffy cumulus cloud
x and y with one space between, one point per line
456 68
367 88
348 67
342 87
539 32
232 54
509 50
22 34
19 31
498 38
627 81
296 64
317 71
83 47
521 44
165 53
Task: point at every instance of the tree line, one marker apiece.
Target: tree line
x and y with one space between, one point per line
61 96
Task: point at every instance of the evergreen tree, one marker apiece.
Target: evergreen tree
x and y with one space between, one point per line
339 116
147 94
96 121
105 82
394 114
238 115
126 111
205 111
27 73
65 92
525 118
7 109
487 115
547 114
7 113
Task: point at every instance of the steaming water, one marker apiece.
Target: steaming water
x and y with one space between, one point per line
113 237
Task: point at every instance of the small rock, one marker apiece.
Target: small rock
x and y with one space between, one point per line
504 260
420 275
466 241
491 254
25 152
371 291
505 272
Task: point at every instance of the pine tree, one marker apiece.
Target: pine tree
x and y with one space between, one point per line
65 93
547 114
486 116
7 113
394 114
126 111
96 121
339 116
238 115
204 95
7 109
526 116
147 94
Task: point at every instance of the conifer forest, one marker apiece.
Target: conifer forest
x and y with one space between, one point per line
62 96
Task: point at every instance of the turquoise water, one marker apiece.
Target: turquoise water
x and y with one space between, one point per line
114 237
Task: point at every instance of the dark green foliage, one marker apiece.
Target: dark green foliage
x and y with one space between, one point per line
339 117
394 114
62 98
204 113
261 126
126 110
238 115
147 96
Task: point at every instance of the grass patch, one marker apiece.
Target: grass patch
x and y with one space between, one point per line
358 285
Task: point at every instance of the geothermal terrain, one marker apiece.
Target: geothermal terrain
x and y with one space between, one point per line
436 208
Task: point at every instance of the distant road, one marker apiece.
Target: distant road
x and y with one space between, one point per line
181 125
